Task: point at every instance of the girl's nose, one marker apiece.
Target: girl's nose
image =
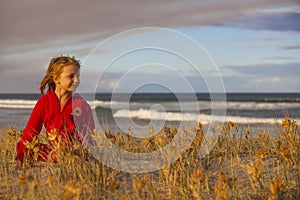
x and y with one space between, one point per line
76 79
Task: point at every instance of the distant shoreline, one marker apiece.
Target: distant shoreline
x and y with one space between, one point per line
164 97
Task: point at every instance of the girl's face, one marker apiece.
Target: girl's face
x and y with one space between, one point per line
68 80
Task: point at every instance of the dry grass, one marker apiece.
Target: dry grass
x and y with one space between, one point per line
242 165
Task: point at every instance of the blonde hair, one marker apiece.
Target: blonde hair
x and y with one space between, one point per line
55 68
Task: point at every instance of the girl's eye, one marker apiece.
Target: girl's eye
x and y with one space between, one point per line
72 76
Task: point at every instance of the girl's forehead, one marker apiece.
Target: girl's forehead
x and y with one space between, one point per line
70 69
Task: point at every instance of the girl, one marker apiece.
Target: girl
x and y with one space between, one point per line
66 116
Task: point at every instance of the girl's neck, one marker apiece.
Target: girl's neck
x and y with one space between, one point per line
62 96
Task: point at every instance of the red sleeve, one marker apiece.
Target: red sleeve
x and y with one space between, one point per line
84 121
89 117
33 128
90 126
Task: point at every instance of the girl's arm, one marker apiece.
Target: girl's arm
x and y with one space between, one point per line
32 129
84 122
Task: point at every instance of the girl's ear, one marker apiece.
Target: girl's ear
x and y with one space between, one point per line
56 79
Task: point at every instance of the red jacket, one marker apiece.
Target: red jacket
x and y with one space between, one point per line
47 112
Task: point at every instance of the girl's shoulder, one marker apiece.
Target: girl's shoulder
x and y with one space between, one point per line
48 97
77 99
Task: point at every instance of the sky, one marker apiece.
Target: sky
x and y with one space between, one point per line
201 46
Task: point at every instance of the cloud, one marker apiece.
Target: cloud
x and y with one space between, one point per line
293 46
278 19
270 77
271 80
276 58
264 38
35 23
252 78
33 31
261 70
20 80
272 84
107 85
262 83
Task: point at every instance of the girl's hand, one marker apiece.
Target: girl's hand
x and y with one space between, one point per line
19 164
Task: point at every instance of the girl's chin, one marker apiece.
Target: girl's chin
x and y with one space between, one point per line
73 88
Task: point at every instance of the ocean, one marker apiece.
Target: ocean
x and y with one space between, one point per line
140 111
